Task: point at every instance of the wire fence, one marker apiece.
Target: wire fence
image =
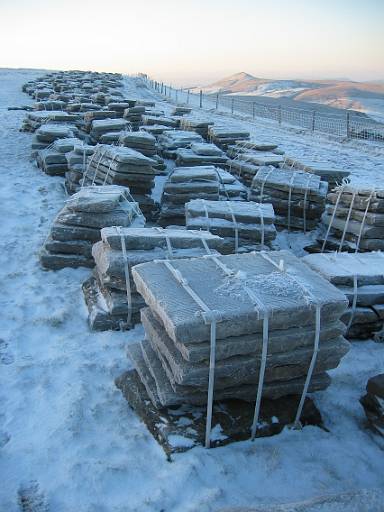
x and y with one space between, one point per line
345 124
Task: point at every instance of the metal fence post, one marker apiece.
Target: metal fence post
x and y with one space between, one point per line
165 90
217 101
279 114
188 97
347 122
253 110
232 105
201 98
313 121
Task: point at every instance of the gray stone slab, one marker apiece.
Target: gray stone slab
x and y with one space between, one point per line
279 340
288 294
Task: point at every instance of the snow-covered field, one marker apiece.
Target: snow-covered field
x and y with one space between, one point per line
64 425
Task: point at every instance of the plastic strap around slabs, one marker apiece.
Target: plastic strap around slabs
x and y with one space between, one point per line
316 339
109 168
221 184
339 194
259 306
263 184
347 221
208 224
235 226
97 165
354 302
126 274
84 159
289 200
305 202
372 194
262 224
311 366
260 385
85 174
211 318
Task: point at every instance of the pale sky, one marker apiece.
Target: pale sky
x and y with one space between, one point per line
190 42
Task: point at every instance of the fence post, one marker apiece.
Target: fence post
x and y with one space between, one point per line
217 101
348 127
188 97
165 90
313 121
176 94
232 105
279 114
201 98
253 110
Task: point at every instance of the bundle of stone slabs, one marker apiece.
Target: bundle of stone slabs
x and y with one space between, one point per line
77 164
141 141
172 140
200 182
298 198
224 136
244 226
199 126
327 172
373 403
182 428
361 278
77 226
94 115
354 219
46 135
34 120
53 160
238 291
200 154
124 166
171 122
106 291
102 126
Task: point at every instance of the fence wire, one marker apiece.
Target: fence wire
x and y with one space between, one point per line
347 124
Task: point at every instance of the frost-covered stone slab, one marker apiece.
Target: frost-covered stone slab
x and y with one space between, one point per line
279 285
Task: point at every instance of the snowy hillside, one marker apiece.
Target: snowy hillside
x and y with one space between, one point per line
365 97
69 441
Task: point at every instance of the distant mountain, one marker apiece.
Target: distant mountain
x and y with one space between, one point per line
365 97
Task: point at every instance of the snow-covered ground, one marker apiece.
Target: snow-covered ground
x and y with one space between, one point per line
65 426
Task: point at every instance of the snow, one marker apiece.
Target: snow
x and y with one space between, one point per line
63 423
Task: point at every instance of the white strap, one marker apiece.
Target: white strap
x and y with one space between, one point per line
260 385
340 192
210 317
372 194
289 200
126 274
235 226
347 222
354 302
311 366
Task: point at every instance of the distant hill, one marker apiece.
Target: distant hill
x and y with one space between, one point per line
365 97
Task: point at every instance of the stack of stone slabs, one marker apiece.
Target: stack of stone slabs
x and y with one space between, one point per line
123 166
354 219
244 226
361 278
236 294
298 198
77 164
109 291
77 226
200 154
200 182
199 126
